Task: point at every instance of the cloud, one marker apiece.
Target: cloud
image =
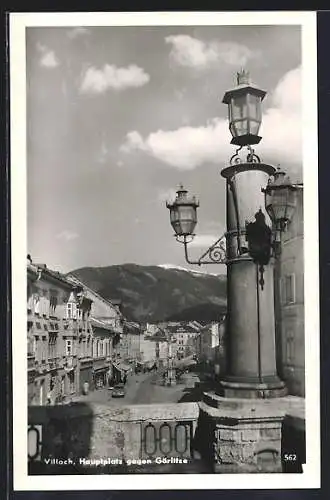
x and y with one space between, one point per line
281 128
194 53
78 31
166 195
184 148
67 235
189 147
98 81
48 57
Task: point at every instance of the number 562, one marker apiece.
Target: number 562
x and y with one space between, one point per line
290 457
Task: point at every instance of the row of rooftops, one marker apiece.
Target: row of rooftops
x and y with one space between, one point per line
69 280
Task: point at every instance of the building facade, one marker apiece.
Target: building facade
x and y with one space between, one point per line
71 337
186 336
289 303
106 324
51 342
147 349
102 353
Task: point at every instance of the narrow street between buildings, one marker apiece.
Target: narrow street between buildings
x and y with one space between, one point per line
143 388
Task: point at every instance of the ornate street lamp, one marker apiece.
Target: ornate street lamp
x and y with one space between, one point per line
183 217
246 249
280 201
245 116
244 110
183 213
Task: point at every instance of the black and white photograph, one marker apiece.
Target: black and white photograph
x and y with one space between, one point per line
164 250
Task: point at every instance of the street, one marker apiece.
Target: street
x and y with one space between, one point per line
143 388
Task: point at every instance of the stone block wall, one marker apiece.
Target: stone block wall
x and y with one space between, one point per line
84 438
232 437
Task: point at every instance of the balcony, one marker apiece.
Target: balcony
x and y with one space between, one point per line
54 363
53 326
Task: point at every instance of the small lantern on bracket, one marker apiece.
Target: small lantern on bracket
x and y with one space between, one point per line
244 107
183 213
280 201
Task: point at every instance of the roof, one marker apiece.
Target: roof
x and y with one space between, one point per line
181 328
41 271
99 323
122 366
114 303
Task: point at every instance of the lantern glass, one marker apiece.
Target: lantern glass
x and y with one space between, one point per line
245 115
280 203
239 107
244 110
254 108
183 219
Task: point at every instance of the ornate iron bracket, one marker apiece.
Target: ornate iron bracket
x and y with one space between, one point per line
215 254
250 158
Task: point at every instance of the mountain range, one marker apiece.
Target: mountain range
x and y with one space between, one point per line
158 293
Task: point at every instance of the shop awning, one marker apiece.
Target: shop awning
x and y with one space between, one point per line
103 368
123 367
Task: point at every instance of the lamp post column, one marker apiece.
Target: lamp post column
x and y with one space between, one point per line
251 324
247 409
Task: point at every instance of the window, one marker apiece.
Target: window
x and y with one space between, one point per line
68 347
52 305
83 348
63 385
34 345
36 303
288 289
44 349
71 382
52 344
289 347
69 310
30 347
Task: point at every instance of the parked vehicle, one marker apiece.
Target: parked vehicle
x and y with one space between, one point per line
118 391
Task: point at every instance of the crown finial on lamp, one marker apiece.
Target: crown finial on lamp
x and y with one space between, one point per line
243 77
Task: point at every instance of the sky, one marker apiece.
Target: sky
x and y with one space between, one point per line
118 117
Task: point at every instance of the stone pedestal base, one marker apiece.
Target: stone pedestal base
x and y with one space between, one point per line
246 433
271 388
